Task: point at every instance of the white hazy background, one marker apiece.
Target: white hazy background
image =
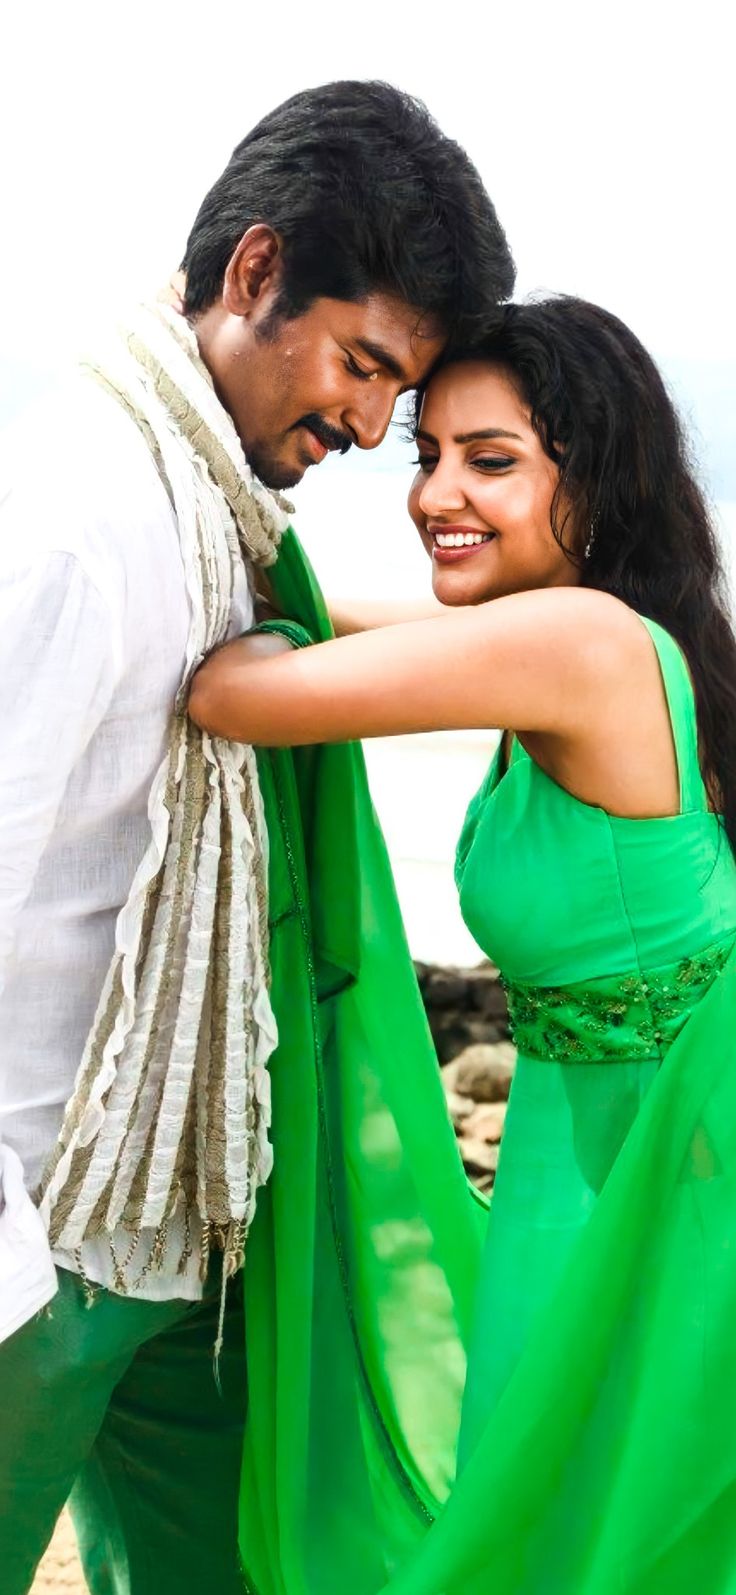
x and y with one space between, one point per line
604 134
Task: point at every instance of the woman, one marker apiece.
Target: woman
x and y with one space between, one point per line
572 552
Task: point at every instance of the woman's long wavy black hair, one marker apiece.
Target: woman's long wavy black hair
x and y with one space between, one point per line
602 412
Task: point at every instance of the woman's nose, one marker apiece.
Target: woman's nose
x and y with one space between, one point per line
441 492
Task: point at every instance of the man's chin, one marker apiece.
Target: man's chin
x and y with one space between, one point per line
280 478
273 472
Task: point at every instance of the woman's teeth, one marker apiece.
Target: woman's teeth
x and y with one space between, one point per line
460 539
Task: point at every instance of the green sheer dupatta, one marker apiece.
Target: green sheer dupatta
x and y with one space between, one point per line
608 1466
364 1253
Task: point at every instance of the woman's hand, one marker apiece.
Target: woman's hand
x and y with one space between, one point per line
174 291
351 615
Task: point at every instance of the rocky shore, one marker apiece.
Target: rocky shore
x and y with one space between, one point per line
467 1014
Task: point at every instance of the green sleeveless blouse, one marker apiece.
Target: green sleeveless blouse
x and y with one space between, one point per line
608 933
607 930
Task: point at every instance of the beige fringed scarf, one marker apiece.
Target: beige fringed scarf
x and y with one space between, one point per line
171 1104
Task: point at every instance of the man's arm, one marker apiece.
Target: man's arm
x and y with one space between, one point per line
57 675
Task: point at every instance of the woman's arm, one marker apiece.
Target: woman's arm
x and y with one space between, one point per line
537 661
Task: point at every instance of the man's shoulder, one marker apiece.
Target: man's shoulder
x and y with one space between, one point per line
76 476
78 440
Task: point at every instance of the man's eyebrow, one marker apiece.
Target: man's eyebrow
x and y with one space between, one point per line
473 437
382 357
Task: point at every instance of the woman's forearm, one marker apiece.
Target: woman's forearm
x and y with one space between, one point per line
534 661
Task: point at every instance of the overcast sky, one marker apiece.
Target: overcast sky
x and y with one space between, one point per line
603 131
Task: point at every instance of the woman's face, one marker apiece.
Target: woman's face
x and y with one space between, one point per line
482 496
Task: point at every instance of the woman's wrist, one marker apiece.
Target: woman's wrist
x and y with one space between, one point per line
289 631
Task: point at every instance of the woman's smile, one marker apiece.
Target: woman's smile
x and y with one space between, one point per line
453 543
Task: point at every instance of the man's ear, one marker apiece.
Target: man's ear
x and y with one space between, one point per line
254 272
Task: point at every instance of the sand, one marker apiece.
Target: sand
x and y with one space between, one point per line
60 1572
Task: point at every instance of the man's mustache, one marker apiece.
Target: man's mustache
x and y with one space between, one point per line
330 436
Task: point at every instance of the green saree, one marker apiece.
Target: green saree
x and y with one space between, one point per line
598 1451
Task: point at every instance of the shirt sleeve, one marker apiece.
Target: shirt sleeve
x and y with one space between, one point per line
59 663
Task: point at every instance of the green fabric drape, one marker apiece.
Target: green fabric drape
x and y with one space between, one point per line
364 1253
607 1465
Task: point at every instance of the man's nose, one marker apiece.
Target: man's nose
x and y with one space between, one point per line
369 420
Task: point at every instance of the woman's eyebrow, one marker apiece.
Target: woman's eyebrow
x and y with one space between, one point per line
472 437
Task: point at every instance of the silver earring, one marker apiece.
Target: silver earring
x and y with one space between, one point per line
591 536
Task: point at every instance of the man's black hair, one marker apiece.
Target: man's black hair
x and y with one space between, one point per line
366 194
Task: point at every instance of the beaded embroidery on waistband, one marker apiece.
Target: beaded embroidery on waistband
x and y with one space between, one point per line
626 1018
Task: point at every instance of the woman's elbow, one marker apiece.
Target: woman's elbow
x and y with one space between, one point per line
206 706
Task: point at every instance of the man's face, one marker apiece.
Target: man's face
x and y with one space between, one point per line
324 380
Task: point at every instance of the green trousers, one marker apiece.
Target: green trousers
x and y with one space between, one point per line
116 1408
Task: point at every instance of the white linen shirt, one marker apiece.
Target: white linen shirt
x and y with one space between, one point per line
94 619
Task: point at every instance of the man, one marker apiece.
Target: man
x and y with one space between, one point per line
345 242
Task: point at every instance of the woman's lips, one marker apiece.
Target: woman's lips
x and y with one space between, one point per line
452 548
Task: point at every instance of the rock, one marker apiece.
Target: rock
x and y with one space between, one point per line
482 1072
486 994
453 1032
459 1108
446 988
463 1006
484 1123
449 1036
479 1157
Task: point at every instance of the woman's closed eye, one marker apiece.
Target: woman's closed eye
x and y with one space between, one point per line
487 463
492 462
